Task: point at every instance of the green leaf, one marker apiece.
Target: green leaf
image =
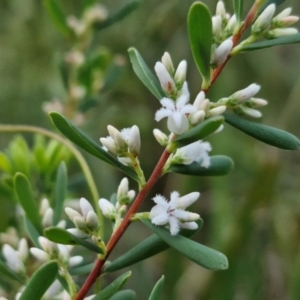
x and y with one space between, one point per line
27 201
284 40
147 248
219 165
60 192
79 138
61 236
200 254
199 132
276 2
7 272
269 135
156 292
124 295
113 288
238 9
200 34
144 74
120 15
58 17
32 232
5 164
40 282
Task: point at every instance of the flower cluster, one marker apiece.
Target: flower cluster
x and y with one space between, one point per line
243 102
116 211
173 213
126 144
87 223
269 27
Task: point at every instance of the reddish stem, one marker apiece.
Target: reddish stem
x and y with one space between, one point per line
95 273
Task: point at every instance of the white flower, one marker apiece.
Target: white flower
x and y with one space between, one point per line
176 112
197 151
172 213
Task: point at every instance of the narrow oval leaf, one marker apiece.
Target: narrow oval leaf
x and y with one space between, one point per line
25 196
219 165
199 132
200 34
5 271
269 135
61 236
156 292
32 232
276 2
144 74
147 248
60 192
124 295
113 288
58 17
284 40
200 254
119 15
40 282
79 138
238 9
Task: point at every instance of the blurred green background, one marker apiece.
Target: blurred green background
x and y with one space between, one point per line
251 215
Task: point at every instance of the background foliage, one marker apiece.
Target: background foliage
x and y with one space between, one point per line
252 215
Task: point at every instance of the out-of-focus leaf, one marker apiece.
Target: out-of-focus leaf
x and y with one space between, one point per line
156 292
147 248
61 236
119 15
268 2
75 135
269 135
25 196
58 17
200 254
32 232
199 132
200 34
144 74
113 288
238 9
219 165
5 165
60 192
7 272
40 282
290 39
124 295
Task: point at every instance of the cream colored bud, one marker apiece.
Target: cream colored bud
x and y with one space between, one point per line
180 74
197 117
278 32
109 144
205 105
167 62
199 99
160 137
120 142
80 223
123 188
134 143
216 25
264 19
221 53
217 111
72 213
220 9
47 220
231 25
92 221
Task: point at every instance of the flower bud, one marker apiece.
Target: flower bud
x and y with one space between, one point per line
109 144
44 206
216 25
165 79
221 53
72 213
197 117
244 94
123 189
256 102
160 137
85 207
264 19
120 142
278 32
187 200
75 261
180 74
48 218
205 105
167 62
199 99
80 223
131 195
134 143
79 233
107 208
220 9
12 258
231 25
250 112
23 249
217 111
40 254
125 161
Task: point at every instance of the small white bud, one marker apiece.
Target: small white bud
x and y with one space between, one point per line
76 25
109 144
264 19
120 142
134 143
85 207
80 223
167 83
222 52
257 102
220 9
205 105
72 213
167 62
246 93
112 131
180 74
221 127
131 195
191 217
197 117
253 113
92 221
75 261
40 254
278 32
49 247
77 92
199 99
187 200
78 233
64 255
217 111
62 224
216 25
288 21
125 161
12 258
96 13
160 137
285 13
44 206
107 208
231 25
23 249
123 189
75 58
48 218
